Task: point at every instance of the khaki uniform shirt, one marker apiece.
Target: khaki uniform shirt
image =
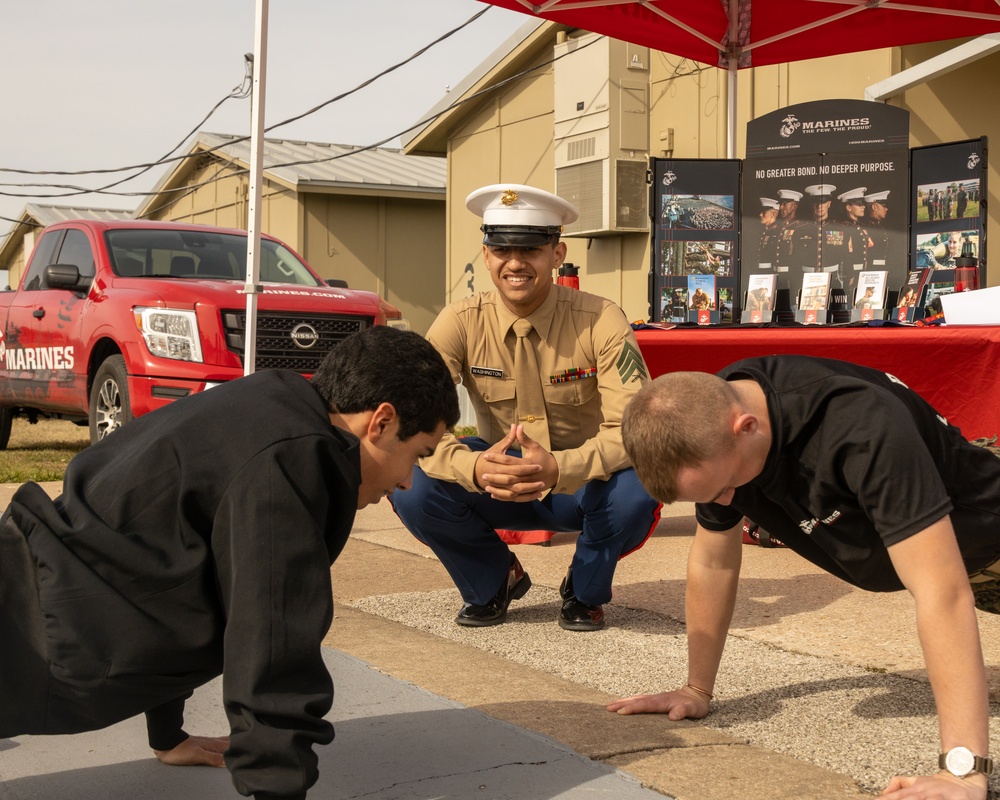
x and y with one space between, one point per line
573 330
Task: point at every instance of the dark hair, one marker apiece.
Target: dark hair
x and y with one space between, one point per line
387 365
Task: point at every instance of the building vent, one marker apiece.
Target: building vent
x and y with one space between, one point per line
583 185
607 203
582 148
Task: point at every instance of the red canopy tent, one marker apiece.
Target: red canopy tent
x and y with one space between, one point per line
735 34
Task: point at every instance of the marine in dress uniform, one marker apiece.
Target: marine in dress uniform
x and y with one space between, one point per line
820 245
877 209
858 240
587 367
767 249
788 223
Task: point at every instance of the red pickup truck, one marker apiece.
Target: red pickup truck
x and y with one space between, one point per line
116 318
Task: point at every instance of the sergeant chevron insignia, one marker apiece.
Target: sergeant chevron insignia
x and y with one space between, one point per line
630 365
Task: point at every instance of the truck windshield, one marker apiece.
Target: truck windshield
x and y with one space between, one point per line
153 253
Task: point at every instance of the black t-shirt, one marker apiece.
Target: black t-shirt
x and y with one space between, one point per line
857 463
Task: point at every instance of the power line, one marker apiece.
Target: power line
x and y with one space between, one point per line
168 159
77 190
241 92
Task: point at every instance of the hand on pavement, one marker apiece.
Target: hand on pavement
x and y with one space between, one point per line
942 786
682 703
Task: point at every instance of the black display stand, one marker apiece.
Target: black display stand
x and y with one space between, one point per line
695 214
717 216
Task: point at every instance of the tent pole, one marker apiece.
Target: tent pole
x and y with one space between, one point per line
251 286
731 108
733 63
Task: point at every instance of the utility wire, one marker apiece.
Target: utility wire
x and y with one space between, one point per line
354 151
223 173
288 121
77 190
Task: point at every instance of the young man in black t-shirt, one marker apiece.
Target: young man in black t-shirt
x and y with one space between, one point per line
858 474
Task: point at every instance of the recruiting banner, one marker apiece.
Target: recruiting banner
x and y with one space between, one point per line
695 214
946 212
825 190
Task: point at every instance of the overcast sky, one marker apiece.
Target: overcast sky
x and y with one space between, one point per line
109 83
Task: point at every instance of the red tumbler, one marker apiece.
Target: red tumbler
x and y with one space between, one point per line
569 275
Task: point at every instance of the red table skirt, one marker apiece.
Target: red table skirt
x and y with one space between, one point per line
955 368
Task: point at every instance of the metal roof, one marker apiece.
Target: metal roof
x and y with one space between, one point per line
49 215
480 79
40 215
306 164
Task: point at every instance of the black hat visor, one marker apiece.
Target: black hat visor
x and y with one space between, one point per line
519 235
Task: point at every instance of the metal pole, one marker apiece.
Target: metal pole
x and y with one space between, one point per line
731 108
254 193
734 13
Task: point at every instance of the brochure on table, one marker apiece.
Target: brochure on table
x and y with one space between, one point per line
870 297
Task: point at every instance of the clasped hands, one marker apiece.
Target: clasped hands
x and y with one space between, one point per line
517 479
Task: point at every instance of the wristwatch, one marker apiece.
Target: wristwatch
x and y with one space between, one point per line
961 761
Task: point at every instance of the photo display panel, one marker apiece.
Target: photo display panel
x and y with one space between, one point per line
695 260
947 204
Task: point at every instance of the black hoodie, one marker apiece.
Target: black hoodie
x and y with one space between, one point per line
193 542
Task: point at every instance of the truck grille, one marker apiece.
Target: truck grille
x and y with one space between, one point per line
291 341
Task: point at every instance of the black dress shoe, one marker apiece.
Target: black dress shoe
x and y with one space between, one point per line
576 615
494 612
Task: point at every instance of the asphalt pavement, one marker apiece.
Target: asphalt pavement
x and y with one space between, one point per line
822 692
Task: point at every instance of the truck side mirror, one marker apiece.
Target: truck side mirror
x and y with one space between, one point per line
65 276
336 283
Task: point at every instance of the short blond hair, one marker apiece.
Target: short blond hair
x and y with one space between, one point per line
678 420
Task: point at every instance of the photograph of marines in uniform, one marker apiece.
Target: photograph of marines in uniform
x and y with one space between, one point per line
820 245
788 222
857 239
767 249
876 210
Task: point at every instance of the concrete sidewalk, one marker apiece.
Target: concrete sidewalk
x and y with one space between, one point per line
395 741
821 695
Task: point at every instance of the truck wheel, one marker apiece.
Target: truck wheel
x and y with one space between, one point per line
6 418
109 401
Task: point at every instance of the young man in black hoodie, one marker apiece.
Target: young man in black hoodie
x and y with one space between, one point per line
196 541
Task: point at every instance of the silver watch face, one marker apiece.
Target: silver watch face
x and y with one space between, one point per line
959 761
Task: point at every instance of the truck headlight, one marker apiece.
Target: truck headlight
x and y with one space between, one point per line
170 333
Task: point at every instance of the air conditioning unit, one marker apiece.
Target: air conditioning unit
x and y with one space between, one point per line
602 134
611 194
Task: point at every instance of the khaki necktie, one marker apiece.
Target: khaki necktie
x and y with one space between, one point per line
528 387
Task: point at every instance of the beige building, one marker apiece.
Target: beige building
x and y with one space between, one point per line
580 114
371 216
